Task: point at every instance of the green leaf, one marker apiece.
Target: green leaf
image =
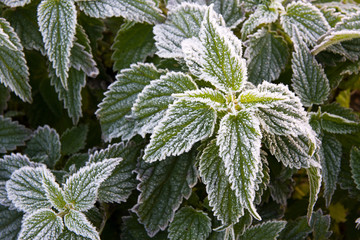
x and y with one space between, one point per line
306 19
133 43
213 98
133 10
131 229
231 11
239 141
120 98
74 139
119 185
76 222
314 176
12 134
54 193
41 224
309 80
216 57
293 152
223 200
72 95
44 146
24 21
262 15
244 222
25 189
190 224
15 3
152 103
337 124
8 165
10 223
355 165
296 229
82 187
14 72
68 235
4 98
163 185
184 124
265 231
330 164
320 225
183 22
83 61
267 55
57 21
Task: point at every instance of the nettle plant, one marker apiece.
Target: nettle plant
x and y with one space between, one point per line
219 110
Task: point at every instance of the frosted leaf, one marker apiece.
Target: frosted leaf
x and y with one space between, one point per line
213 98
296 229
69 235
331 15
8 165
12 134
230 10
184 124
306 19
183 22
152 103
309 80
81 188
83 60
314 176
119 185
44 145
10 222
120 98
171 4
267 55
285 116
216 57
330 164
190 224
337 124
265 231
355 165
76 222
293 152
133 10
57 21
221 196
239 141
25 189
14 72
254 98
163 185
41 224
262 15
71 96
5 41
134 42
24 21
15 3
54 193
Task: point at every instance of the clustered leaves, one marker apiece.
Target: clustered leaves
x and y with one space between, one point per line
218 108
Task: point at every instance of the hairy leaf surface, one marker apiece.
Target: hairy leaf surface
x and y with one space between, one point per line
239 143
184 124
57 21
337 124
267 55
213 98
152 103
163 185
314 176
223 200
15 3
14 72
81 188
266 231
120 98
41 224
76 222
355 165
10 223
133 10
230 10
189 224
54 193
12 134
183 22
216 57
